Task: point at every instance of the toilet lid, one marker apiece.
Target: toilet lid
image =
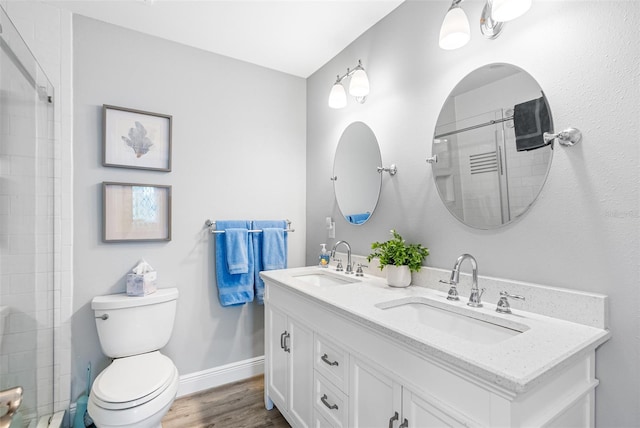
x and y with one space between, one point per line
132 381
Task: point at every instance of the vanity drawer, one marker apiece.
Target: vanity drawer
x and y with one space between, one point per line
319 421
332 361
329 402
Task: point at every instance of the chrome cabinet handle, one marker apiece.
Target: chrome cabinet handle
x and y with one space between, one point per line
286 347
405 424
325 358
282 336
326 403
394 418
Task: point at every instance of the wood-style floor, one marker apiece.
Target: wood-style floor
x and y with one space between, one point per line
238 405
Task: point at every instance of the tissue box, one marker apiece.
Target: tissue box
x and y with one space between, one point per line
141 284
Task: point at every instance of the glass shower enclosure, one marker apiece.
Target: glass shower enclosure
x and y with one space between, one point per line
28 230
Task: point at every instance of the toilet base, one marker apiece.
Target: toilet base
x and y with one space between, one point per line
147 415
153 421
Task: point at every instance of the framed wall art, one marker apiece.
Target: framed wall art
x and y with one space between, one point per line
136 139
136 212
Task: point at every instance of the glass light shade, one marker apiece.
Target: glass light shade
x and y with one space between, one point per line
455 31
337 96
506 10
359 86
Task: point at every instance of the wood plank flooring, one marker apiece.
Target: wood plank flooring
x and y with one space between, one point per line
238 405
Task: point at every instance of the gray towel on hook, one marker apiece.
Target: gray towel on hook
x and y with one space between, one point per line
531 119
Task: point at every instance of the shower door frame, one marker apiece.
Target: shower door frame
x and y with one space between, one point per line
30 227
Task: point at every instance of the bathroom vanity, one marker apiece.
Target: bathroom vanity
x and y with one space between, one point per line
346 351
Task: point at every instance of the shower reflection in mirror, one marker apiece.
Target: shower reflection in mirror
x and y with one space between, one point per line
492 160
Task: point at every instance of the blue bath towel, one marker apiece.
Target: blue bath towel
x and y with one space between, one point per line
233 289
237 243
270 250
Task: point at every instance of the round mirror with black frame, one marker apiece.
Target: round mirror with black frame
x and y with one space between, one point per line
489 157
356 181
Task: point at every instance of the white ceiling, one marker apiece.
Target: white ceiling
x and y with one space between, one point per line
293 36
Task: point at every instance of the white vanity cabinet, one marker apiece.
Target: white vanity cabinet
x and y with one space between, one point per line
330 363
289 366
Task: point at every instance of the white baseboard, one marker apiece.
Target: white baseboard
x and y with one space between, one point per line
216 376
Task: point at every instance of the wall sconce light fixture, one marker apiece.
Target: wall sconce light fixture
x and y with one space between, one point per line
358 87
455 32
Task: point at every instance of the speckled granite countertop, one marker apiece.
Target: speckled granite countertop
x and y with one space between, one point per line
517 363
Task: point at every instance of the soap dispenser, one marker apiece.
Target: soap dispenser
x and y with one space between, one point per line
323 259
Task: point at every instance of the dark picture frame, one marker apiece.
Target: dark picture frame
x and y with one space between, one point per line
136 212
136 139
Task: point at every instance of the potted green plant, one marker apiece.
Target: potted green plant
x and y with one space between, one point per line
398 258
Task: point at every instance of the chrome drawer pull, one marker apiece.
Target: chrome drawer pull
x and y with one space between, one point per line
404 424
286 347
326 403
393 418
282 339
325 358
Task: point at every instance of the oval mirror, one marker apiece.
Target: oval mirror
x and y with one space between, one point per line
491 161
356 181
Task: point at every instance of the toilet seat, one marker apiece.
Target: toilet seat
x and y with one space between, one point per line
132 381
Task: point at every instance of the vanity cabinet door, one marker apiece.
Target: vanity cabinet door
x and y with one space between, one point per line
374 398
289 366
277 357
300 401
419 413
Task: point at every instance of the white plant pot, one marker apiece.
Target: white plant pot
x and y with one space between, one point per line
398 276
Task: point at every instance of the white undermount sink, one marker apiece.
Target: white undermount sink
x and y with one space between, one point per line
323 279
419 310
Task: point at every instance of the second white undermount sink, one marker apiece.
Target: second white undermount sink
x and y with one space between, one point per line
418 310
324 279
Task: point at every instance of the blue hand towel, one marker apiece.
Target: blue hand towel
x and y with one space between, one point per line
236 241
276 259
274 255
233 289
358 218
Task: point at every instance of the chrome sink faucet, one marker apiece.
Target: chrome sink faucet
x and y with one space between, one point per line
349 269
476 294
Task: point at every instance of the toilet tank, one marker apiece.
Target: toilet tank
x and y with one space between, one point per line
134 325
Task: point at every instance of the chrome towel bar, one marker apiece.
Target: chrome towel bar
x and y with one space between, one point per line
212 227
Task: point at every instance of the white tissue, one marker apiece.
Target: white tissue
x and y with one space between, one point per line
142 267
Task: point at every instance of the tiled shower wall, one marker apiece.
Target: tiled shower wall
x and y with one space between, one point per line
47 31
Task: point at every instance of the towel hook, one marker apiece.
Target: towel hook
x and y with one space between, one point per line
392 170
569 137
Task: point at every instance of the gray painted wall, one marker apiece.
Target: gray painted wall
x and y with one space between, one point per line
238 153
582 232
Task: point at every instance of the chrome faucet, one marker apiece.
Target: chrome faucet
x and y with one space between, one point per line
476 294
349 269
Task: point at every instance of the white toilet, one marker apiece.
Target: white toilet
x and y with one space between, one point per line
139 386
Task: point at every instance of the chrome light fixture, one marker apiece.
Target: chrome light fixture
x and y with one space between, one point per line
358 87
455 33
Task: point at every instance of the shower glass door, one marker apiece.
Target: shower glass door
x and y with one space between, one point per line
471 169
27 228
